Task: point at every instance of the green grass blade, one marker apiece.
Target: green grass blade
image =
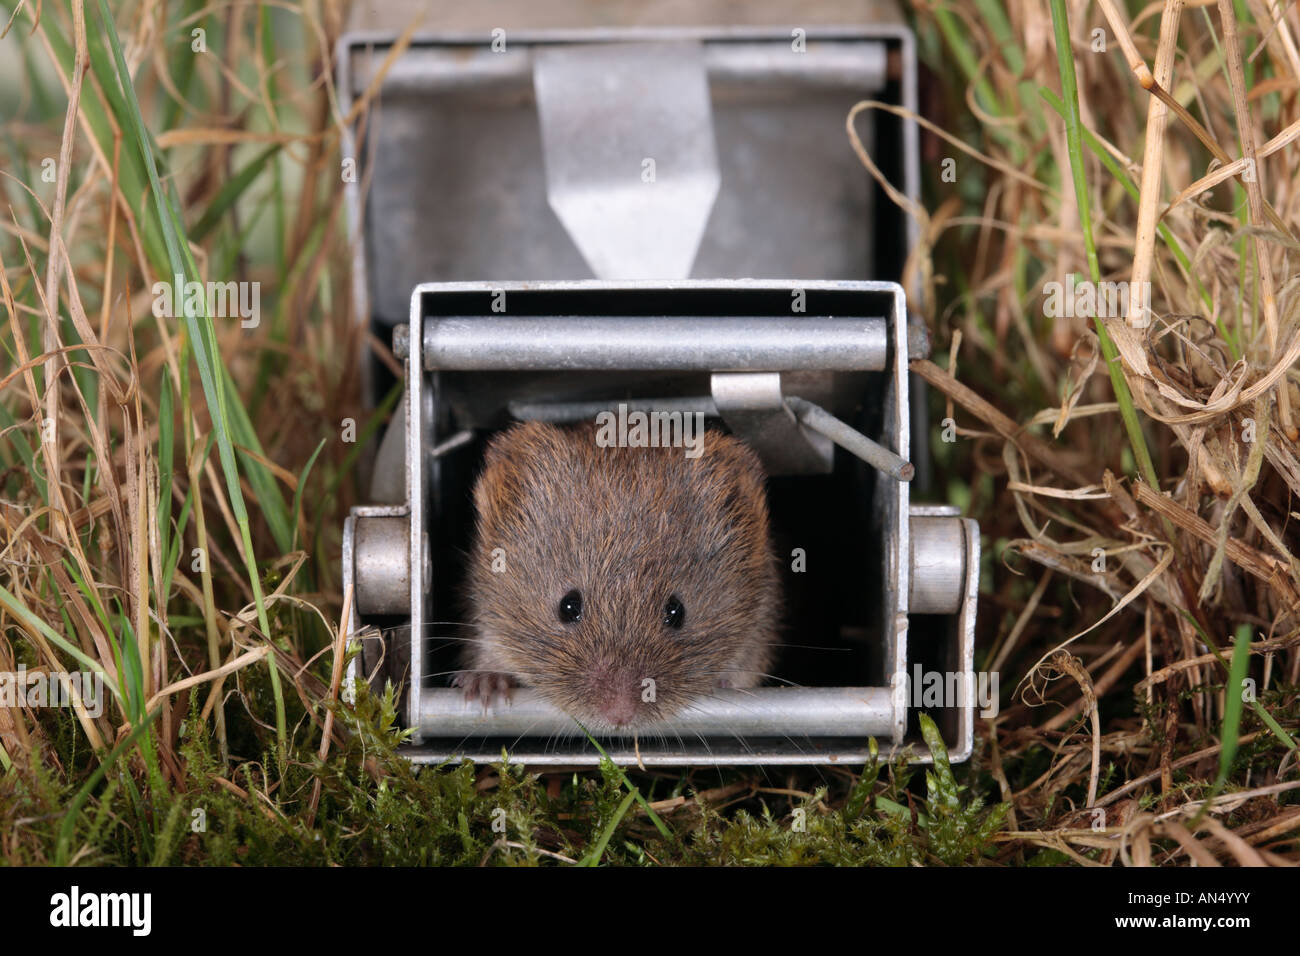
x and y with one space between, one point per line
13 432
69 823
1124 179
302 483
183 78
1232 707
1273 725
1069 87
1232 704
34 623
230 193
1269 721
166 461
597 851
203 337
654 817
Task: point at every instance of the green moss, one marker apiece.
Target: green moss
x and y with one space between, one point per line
375 808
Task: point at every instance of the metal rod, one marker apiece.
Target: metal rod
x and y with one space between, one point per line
850 439
655 343
586 411
762 712
812 416
715 752
861 66
462 437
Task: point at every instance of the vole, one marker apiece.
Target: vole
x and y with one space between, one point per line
621 583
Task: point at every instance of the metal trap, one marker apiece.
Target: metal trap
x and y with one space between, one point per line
528 163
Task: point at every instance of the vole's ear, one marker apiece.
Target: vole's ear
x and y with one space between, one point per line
739 473
509 462
521 444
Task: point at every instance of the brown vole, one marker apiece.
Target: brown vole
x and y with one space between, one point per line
621 583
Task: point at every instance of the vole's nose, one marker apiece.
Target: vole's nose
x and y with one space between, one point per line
616 696
619 710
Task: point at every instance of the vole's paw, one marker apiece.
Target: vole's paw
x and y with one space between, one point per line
487 686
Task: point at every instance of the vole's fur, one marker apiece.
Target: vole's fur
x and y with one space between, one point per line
628 528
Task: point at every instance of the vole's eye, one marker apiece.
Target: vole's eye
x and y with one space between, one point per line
674 612
571 607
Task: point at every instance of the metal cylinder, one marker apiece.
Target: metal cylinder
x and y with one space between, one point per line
382 565
938 578
784 712
830 65
655 343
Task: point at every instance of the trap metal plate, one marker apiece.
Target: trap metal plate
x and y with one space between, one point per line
467 166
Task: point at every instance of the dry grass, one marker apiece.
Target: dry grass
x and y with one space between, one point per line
140 561
1135 529
1120 584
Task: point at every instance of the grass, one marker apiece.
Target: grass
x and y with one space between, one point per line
1149 476
202 338
1078 176
172 488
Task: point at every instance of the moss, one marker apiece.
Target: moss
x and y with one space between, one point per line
374 808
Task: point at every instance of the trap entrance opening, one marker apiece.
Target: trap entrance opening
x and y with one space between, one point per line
838 536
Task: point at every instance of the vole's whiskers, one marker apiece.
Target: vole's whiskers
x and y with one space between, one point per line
423 627
449 640
477 670
765 676
813 647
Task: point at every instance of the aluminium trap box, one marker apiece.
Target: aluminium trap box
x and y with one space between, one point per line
509 141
